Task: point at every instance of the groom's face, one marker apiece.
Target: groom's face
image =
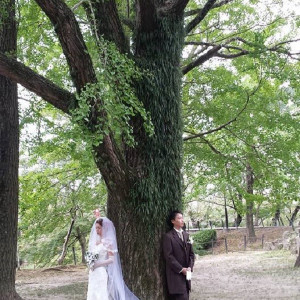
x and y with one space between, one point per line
178 221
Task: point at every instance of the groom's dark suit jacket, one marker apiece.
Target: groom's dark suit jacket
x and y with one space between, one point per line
178 254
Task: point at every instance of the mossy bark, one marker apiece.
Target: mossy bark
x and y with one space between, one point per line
153 187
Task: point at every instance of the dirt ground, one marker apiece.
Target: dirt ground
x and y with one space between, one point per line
250 274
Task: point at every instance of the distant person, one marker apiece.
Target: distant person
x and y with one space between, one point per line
179 257
105 275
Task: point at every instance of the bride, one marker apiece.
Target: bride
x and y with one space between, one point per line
105 275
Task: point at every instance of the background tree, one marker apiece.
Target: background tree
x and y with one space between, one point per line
59 186
9 158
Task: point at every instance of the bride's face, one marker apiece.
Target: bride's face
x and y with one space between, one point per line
99 229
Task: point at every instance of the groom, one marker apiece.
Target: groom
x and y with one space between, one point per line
179 256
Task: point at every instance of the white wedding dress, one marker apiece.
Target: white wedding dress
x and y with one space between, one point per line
106 283
97 288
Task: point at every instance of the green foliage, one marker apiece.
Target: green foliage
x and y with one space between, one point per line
117 74
264 134
58 182
203 240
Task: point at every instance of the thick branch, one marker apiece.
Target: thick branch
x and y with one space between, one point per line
105 22
215 51
172 7
71 39
201 15
200 60
36 83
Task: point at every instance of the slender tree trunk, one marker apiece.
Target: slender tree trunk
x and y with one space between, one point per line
249 204
297 263
294 215
277 217
239 217
226 214
257 215
238 220
9 160
65 245
82 242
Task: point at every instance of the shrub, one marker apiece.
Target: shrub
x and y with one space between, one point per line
202 240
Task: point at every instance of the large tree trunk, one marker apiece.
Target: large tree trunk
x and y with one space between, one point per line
9 160
139 209
250 204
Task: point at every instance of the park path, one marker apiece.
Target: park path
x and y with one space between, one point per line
258 275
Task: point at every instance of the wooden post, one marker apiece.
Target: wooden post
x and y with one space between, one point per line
74 255
212 246
262 241
226 245
245 242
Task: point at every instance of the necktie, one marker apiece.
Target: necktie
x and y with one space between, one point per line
180 235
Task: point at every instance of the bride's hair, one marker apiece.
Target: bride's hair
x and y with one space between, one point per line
100 222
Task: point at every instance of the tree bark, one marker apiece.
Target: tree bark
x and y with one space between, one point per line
250 204
65 246
239 217
82 242
277 218
297 263
294 215
226 214
257 215
9 160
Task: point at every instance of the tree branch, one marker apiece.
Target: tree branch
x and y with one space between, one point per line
200 60
221 126
201 15
36 83
71 40
214 51
197 11
105 22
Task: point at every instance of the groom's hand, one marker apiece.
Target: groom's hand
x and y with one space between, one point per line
183 271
